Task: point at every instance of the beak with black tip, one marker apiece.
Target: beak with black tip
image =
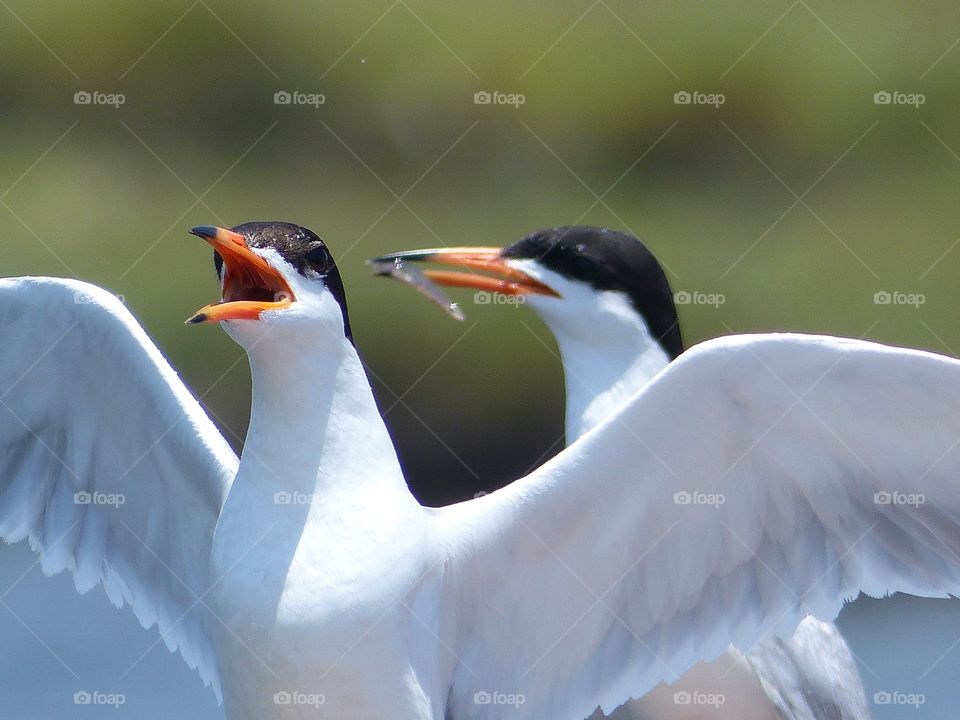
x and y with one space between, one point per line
501 279
250 284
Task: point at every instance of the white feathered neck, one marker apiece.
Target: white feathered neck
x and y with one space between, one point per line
607 350
314 423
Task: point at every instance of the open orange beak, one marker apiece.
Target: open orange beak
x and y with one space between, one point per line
502 279
250 284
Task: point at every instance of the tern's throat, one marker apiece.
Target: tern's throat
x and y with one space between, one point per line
314 424
608 355
599 382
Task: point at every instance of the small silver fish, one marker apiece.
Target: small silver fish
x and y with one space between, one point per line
419 282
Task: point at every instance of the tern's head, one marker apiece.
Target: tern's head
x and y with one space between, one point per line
274 277
584 282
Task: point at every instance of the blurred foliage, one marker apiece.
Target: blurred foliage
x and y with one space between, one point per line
399 156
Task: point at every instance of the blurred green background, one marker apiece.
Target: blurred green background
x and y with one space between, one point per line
400 156
799 198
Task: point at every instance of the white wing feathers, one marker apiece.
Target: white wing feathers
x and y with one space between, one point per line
811 675
107 463
757 480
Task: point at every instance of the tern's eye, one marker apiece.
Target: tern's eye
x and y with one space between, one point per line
318 258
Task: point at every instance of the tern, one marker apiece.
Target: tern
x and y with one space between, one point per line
307 582
606 299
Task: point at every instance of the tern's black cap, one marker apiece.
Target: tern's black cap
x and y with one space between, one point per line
300 247
609 260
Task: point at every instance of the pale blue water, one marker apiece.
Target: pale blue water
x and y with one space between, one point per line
908 648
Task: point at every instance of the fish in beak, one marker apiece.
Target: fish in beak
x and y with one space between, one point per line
501 278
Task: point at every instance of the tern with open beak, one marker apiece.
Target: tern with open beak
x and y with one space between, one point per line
307 582
608 303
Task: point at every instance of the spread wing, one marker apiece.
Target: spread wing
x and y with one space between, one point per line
757 480
108 465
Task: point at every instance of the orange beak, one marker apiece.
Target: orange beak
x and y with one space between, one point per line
503 279
250 284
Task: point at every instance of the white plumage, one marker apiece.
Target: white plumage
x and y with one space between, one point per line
608 355
102 449
607 301
580 585
804 438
